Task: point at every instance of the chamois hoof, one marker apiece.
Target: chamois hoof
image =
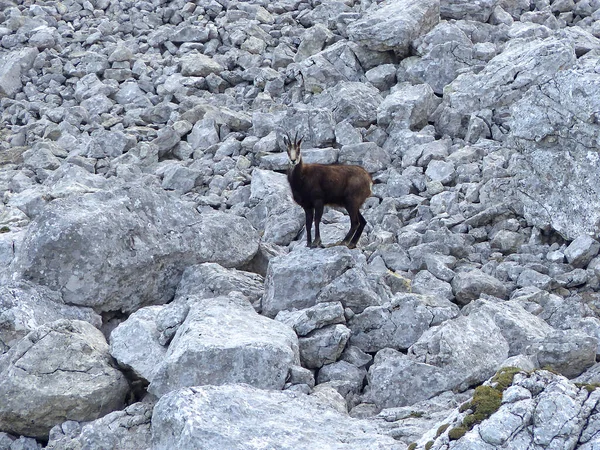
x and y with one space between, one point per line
351 245
316 245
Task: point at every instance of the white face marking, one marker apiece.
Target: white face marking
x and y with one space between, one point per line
294 155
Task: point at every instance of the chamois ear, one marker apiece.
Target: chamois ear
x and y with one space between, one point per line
300 141
286 141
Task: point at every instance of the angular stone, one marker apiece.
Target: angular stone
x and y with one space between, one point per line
199 65
400 323
393 25
90 247
306 320
323 346
582 250
409 106
352 101
70 361
245 414
224 341
469 286
12 66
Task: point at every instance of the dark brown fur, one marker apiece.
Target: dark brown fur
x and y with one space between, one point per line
316 185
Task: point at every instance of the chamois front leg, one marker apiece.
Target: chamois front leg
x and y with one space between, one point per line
309 214
318 214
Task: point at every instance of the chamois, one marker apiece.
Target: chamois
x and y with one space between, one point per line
316 185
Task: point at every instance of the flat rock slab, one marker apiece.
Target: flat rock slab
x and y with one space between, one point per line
223 340
61 371
239 416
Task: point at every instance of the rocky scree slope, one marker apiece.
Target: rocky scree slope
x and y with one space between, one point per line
155 291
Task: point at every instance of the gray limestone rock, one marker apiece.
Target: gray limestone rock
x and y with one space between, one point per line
135 343
223 341
400 323
408 106
295 280
582 250
469 286
198 65
128 429
569 352
244 414
25 306
352 101
60 371
553 152
479 10
394 25
127 248
13 65
306 320
323 346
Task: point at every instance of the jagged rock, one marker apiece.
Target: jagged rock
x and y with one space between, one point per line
393 25
537 128
295 280
274 210
469 286
209 280
25 306
306 320
223 340
90 248
534 408
469 349
15 64
409 106
506 78
323 346
199 65
400 323
245 414
352 101
467 10
128 429
135 343
366 154
60 371
582 250
398 380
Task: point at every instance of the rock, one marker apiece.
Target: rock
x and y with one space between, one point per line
400 323
275 211
498 85
135 343
313 41
70 360
393 25
89 248
128 429
408 106
209 280
223 341
582 250
519 327
541 174
398 380
25 306
15 64
315 125
295 280
569 352
469 349
352 101
323 346
245 414
469 286
306 320
366 154
198 65
465 10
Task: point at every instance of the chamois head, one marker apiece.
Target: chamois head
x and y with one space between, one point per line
293 149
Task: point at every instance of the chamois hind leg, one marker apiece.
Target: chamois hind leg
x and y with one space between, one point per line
354 224
358 232
308 213
318 214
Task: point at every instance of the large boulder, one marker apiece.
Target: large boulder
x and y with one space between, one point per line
25 306
395 24
305 277
352 101
223 340
127 248
553 128
61 371
399 323
247 417
505 79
